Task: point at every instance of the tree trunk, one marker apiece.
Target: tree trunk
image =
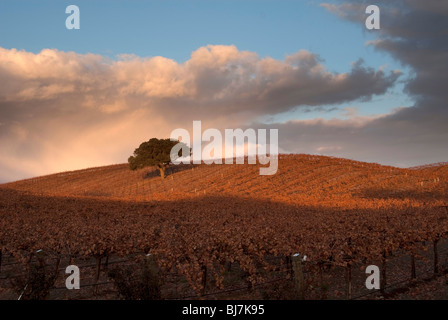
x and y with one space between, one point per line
162 172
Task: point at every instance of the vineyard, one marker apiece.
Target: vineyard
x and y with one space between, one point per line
206 230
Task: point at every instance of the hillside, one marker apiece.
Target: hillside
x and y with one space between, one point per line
300 178
214 228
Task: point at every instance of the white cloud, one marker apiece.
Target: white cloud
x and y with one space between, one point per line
63 110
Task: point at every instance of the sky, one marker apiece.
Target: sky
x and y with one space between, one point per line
72 99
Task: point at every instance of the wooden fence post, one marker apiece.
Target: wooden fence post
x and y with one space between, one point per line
106 264
298 276
383 274
436 257
349 281
98 270
413 273
228 266
289 269
204 279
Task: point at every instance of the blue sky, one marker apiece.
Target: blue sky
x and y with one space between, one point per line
174 29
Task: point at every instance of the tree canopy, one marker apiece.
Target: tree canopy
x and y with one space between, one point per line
155 152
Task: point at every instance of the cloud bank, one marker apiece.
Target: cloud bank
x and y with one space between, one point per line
62 110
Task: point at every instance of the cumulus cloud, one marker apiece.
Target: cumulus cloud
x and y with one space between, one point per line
63 110
215 79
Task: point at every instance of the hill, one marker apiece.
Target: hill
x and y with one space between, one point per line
300 179
211 228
